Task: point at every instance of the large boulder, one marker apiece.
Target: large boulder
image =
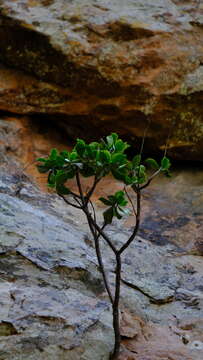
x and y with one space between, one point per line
109 65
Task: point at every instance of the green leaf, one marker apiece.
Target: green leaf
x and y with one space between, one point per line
62 190
118 158
59 162
99 163
80 147
114 136
118 175
123 202
120 198
121 146
112 199
153 163
87 170
109 140
141 170
42 169
142 179
42 160
108 215
65 154
165 163
105 156
123 211
94 145
105 201
73 156
119 194
51 185
118 213
128 180
53 154
63 175
51 178
90 152
136 160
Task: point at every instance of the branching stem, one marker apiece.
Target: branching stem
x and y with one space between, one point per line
115 307
68 202
150 179
137 221
100 261
99 159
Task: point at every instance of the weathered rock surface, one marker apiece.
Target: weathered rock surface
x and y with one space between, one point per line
108 65
53 304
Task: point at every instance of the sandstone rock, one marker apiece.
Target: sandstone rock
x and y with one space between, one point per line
156 343
42 307
108 66
53 304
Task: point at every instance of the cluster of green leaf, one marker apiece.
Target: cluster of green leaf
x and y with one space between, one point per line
94 159
99 159
116 204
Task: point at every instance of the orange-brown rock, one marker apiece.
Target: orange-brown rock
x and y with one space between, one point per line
157 343
22 141
108 65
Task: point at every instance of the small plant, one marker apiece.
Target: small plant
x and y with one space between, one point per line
97 160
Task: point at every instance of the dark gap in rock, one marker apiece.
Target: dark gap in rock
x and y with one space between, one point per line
7 329
66 129
49 125
47 63
125 32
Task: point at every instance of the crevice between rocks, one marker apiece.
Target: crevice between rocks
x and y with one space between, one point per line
151 298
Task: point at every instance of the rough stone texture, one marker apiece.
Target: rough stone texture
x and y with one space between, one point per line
52 301
157 343
108 65
53 304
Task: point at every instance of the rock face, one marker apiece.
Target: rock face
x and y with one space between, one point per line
53 304
97 66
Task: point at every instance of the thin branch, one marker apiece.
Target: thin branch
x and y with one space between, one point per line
142 144
100 231
77 200
90 192
86 190
95 229
74 194
116 324
99 258
68 202
129 198
144 136
80 187
150 179
94 215
137 223
167 140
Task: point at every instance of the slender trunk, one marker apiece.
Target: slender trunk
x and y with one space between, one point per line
101 265
99 256
115 307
